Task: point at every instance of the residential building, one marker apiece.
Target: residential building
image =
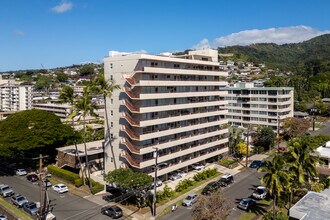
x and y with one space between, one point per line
169 103
264 106
14 97
323 153
61 110
312 206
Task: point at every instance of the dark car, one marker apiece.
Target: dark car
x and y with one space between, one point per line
32 177
257 164
225 180
112 211
211 187
31 208
246 204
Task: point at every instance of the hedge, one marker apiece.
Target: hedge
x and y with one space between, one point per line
64 174
96 187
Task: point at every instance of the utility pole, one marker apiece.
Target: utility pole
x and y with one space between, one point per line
278 131
155 182
247 146
40 158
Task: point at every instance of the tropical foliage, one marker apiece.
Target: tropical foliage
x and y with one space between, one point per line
294 127
265 138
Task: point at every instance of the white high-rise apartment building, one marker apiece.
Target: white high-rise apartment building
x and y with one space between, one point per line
258 106
14 97
170 103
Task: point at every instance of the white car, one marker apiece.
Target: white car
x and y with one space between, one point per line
158 183
60 188
260 192
198 166
182 173
3 217
190 200
175 176
21 172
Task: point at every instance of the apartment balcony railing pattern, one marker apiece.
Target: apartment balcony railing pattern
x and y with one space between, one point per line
131 80
130 106
129 159
130 133
130 146
130 120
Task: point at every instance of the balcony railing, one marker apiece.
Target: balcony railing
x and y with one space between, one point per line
131 94
130 120
130 133
129 159
130 106
130 146
131 80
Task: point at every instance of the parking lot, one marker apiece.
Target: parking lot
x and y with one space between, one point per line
65 206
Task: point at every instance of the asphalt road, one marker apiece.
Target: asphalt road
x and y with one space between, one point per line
245 183
65 206
325 130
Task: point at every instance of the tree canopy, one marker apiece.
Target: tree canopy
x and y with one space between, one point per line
294 127
86 70
265 137
34 131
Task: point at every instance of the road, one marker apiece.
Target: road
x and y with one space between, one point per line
325 130
66 206
245 183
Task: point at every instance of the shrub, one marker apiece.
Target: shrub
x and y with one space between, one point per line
64 174
96 187
184 184
167 192
78 183
205 174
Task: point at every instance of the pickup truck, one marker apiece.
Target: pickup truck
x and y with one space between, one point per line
5 190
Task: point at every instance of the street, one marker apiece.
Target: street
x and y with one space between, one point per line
66 206
245 183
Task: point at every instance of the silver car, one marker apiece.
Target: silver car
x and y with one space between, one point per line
175 176
190 200
19 200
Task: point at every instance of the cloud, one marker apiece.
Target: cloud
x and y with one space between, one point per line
19 33
282 35
64 6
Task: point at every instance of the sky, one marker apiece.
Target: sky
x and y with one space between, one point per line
37 34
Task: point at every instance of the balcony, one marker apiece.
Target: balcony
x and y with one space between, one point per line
131 80
131 94
129 159
130 106
130 120
130 146
130 133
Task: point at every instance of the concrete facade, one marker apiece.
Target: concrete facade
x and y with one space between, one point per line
259 106
172 103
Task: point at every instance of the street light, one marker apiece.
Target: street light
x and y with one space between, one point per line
155 180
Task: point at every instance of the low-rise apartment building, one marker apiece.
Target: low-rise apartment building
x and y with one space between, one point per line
14 97
172 104
258 106
59 109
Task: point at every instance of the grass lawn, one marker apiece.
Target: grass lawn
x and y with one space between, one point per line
13 209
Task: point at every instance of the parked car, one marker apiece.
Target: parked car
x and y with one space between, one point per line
160 166
5 190
19 200
112 211
31 208
46 183
246 204
174 176
210 187
158 183
3 217
21 172
198 166
32 177
60 188
226 179
182 173
190 200
257 164
260 192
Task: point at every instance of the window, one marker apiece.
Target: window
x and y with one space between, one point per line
111 66
111 113
111 124
111 136
111 77
111 101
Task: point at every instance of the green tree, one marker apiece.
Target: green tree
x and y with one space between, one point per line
83 107
67 95
106 88
265 137
234 139
215 207
135 183
62 77
86 70
43 83
33 131
276 178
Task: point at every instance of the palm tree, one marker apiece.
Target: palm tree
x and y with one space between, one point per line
276 178
106 88
67 95
83 107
